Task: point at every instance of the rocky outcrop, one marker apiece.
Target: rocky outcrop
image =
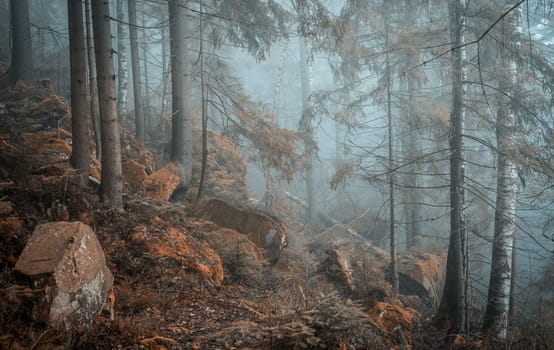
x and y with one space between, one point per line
66 266
243 261
263 230
422 274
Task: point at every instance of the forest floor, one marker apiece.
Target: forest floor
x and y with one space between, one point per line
180 280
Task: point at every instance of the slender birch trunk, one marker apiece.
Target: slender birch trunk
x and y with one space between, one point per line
498 301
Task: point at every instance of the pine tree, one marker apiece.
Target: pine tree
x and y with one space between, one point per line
22 53
181 136
453 299
135 65
112 185
79 100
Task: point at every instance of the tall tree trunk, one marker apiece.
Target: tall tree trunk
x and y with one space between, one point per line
414 206
93 87
204 94
165 73
4 28
515 275
146 98
307 129
393 271
112 185
498 301
135 63
22 53
268 197
414 216
181 136
122 63
453 300
79 97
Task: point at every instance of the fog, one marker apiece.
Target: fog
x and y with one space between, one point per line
367 64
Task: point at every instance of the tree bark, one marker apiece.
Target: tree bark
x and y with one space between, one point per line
135 64
393 270
498 300
112 185
204 94
93 87
22 53
4 28
79 98
307 129
453 299
165 74
145 99
122 63
181 136
413 205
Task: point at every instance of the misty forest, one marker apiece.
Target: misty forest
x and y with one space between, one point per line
273 174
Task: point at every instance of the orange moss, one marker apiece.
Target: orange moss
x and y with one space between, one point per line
185 250
134 173
388 316
429 265
49 146
53 102
180 330
157 342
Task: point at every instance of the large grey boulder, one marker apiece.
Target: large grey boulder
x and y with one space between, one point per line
65 261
